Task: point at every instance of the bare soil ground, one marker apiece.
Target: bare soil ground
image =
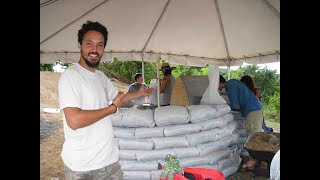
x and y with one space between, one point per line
51 131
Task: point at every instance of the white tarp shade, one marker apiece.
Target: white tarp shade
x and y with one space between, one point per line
186 32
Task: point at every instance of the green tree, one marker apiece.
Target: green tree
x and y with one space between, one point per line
46 67
49 67
125 70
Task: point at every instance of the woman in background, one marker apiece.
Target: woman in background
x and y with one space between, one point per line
248 81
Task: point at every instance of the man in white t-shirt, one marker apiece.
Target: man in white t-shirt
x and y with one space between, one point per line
88 99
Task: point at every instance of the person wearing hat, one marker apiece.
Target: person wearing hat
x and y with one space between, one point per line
166 84
243 100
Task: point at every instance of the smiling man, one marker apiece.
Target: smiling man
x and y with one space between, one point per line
88 99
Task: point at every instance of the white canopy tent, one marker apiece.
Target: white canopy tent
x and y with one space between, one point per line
186 32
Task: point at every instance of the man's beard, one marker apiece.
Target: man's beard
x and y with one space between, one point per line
90 64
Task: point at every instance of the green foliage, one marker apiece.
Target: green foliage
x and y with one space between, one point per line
49 67
185 71
272 110
46 67
125 70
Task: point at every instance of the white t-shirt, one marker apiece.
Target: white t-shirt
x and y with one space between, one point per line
275 167
90 147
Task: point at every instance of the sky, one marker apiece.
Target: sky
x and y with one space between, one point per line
57 68
270 66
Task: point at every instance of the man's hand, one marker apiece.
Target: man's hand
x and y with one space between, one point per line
145 91
125 97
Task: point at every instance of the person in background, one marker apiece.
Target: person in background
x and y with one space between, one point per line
88 98
135 87
166 84
243 100
248 81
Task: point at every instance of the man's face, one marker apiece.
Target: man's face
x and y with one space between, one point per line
92 48
139 80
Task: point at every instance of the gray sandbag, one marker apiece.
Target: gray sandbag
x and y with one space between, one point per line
228 162
241 123
228 117
134 117
128 154
209 159
236 136
242 140
136 175
194 161
232 125
199 113
218 155
149 132
229 170
129 165
116 118
213 123
182 129
207 166
203 136
123 132
170 142
136 144
171 115
209 147
155 175
222 109
243 132
186 152
154 154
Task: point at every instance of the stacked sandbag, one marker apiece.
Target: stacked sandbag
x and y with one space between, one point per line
199 135
242 132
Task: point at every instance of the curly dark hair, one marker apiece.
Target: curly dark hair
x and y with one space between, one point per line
96 26
222 79
248 81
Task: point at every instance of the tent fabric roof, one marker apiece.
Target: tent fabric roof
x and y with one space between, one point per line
187 32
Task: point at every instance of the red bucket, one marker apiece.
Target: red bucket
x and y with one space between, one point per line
204 173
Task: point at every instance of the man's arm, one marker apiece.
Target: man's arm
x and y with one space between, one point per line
133 95
77 118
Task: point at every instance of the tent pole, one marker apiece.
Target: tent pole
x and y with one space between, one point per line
142 70
228 67
158 81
